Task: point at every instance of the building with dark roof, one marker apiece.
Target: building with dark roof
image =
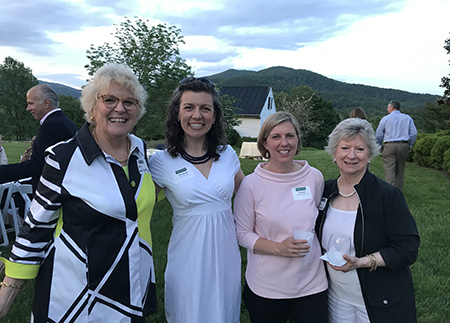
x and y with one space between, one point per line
254 103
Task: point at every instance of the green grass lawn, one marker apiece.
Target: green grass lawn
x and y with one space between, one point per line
428 195
15 150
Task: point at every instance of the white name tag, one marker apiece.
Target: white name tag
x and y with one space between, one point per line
301 193
182 174
322 203
142 166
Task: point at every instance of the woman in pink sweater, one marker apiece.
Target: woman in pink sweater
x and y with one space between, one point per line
285 279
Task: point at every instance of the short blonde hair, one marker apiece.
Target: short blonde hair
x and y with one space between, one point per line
271 122
102 80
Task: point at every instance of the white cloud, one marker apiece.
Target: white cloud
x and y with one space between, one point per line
375 42
399 50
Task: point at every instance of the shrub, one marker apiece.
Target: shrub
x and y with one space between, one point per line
233 136
410 157
422 149
441 145
446 163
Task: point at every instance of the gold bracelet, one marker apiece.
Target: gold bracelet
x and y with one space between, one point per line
16 286
373 262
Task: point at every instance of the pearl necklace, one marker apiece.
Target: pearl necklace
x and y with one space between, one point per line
345 195
121 161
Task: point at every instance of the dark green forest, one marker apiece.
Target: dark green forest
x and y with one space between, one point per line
344 96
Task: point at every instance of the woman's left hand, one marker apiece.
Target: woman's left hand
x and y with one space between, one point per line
352 263
363 262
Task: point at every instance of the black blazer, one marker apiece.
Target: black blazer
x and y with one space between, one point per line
383 223
57 127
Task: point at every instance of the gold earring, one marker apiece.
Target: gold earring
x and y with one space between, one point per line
92 119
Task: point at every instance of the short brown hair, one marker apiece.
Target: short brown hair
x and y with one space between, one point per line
358 113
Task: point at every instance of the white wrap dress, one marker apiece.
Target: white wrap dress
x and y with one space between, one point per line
203 273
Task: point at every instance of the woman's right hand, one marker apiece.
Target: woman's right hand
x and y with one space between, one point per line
293 248
289 247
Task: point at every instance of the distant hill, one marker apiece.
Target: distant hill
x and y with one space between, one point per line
230 74
61 89
344 96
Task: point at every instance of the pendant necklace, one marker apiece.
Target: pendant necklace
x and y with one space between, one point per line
94 134
345 195
194 160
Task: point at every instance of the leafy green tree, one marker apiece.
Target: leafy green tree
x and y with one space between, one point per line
436 116
316 116
15 81
444 102
152 53
231 117
71 107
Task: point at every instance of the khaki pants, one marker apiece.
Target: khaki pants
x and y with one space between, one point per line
394 160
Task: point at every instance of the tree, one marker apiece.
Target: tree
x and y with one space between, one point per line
153 55
15 81
230 117
436 116
316 116
72 109
444 102
302 110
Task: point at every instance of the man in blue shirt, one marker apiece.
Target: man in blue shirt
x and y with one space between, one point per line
398 132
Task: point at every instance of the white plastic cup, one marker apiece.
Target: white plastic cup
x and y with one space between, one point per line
298 233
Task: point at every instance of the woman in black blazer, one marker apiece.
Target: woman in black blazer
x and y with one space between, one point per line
373 283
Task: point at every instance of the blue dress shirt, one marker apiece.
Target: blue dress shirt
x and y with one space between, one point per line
396 126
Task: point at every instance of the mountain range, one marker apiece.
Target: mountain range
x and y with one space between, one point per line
62 89
343 96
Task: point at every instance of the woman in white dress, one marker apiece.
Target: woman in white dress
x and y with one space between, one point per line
199 173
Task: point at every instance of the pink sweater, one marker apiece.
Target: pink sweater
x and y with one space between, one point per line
267 205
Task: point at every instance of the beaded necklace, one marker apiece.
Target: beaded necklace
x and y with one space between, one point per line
194 160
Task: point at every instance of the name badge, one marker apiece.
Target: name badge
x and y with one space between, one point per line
142 166
182 174
301 193
322 203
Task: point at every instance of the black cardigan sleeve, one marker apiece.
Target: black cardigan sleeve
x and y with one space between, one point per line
401 231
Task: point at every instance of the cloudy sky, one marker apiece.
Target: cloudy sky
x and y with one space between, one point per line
386 43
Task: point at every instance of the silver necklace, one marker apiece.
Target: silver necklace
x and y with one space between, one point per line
345 195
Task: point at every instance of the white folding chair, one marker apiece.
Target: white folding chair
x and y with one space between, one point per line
5 202
23 190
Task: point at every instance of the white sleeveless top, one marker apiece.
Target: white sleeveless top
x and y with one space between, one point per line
344 286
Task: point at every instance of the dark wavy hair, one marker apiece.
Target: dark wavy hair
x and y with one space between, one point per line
216 138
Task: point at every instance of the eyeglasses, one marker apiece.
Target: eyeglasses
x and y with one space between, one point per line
201 79
111 102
